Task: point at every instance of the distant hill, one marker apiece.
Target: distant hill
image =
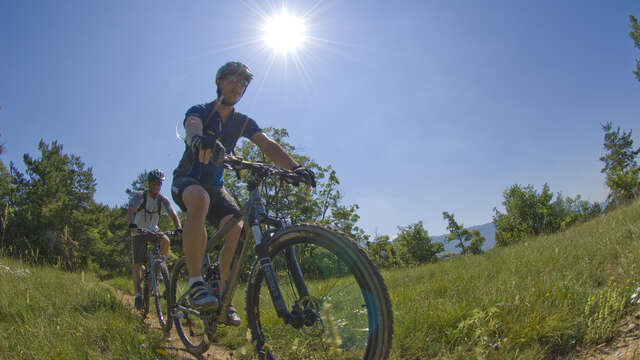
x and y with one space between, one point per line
487 230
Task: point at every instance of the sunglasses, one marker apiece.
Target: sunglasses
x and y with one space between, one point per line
238 80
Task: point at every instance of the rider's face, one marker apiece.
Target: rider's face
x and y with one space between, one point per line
232 88
155 186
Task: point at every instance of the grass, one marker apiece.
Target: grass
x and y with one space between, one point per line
541 299
49 314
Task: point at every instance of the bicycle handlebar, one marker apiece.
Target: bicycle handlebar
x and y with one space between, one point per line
263 170
147 231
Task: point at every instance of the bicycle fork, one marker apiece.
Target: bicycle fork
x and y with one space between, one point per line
266 266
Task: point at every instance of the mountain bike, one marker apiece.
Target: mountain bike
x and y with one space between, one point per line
156 280
312 293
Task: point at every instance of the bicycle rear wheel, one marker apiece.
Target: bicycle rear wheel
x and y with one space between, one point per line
189 326
347 314
161 288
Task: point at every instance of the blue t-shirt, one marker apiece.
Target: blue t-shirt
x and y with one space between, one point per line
228 133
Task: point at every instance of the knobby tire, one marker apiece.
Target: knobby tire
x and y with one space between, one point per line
345 289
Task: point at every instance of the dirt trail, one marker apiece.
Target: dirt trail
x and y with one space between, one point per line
625 346
174 345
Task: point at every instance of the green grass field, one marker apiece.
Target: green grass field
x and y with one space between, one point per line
49 314
539 299
543 298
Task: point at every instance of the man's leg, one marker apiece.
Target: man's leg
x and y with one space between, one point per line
138 249
164 245
136 276
194 235
229 247
224 262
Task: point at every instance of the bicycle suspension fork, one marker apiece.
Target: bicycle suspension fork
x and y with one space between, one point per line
257 217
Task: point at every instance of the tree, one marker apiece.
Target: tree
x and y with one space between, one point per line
469 242
4 199
414 245
139 184
528 212
620 166
53 211
635 35
382 252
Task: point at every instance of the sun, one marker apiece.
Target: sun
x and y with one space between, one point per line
284 33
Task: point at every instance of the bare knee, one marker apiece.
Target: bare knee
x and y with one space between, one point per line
196 199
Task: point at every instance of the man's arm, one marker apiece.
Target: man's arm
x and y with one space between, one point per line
192 126
171 212
176 220
131 217
274 151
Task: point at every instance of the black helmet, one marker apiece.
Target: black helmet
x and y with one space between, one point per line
234 68
155 174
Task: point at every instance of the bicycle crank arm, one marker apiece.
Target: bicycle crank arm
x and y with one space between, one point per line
181 308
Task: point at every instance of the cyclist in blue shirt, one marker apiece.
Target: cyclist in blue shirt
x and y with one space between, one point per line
212 130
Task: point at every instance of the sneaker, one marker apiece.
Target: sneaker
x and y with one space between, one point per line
201 297
232 317
138 302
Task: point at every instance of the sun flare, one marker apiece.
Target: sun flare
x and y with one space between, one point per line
284 33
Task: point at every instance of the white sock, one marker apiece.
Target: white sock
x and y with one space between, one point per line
194 280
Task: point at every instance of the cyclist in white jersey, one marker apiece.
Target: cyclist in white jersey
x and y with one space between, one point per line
145 208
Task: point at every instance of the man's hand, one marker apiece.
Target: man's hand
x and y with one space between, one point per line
308 177
208 148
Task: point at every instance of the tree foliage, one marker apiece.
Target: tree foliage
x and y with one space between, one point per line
529 212
469 242
414 245
635 35
4 199
383 252
620 166
52 206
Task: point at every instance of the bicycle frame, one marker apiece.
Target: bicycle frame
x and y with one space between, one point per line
253 214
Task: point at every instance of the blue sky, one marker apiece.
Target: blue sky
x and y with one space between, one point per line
420 106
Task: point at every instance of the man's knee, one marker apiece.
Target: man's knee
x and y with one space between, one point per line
196 199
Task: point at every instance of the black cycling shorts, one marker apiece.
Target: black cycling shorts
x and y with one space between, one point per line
221 203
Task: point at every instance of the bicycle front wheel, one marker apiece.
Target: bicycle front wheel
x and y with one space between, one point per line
190 327
161 287
345 313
